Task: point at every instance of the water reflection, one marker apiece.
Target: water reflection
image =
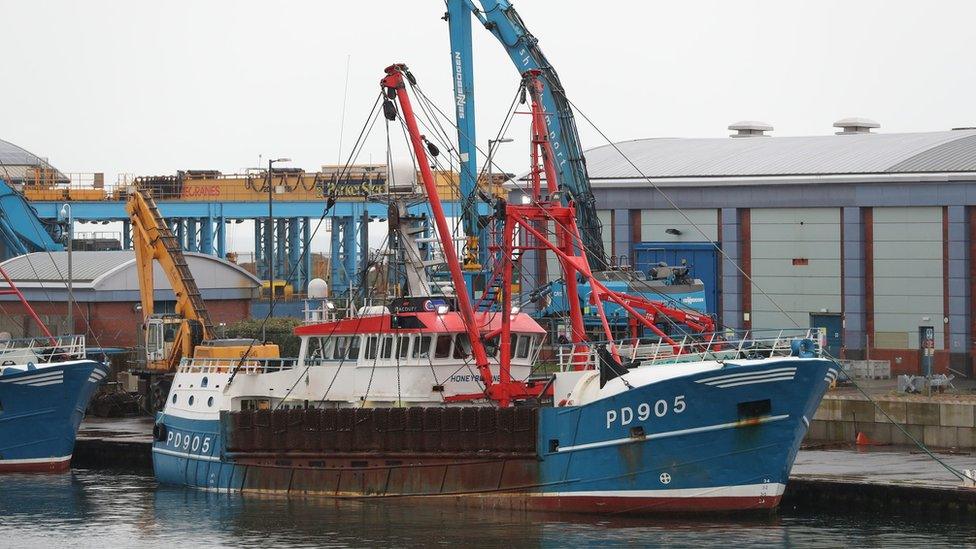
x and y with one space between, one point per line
118 508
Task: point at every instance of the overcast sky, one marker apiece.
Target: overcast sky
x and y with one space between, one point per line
153 87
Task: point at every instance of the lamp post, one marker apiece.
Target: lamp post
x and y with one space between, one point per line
68 237
269 235
491 151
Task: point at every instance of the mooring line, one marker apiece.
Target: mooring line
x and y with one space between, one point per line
956 472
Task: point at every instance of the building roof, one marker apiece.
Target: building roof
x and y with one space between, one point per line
17 164
112 275
863 153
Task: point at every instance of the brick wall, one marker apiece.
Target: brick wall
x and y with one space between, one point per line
111 324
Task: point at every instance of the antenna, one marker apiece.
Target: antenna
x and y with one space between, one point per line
342 116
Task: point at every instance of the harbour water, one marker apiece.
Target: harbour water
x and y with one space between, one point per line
113 508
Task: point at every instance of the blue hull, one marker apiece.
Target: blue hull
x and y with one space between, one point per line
41 412
723 440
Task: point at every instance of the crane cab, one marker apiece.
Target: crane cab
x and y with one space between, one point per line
162 334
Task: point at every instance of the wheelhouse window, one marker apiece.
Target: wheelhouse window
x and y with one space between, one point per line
386 348
523 347
491 347
421 347
370 350
442 349
341 347
462 346
320 348
354 348
519 346
402 346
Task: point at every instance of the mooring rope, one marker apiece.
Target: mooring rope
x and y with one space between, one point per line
956 472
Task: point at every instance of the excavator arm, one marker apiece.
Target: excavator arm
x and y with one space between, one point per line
153 241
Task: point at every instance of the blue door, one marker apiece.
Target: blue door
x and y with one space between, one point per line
702 257
831 323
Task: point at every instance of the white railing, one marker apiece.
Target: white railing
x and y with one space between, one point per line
228 365
47 349
729 345
319 310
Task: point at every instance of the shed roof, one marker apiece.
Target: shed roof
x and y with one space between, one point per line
114 274
865 153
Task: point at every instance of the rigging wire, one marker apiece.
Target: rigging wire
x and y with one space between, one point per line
632 278
960 475
683 214
367 127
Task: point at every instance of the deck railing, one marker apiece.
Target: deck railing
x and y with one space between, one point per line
47 349
728 345
228 365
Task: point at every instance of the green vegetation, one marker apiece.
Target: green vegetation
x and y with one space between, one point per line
277 330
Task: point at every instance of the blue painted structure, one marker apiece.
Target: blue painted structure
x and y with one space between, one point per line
201 227
702 257
834 326
504 23
21 231
41 411
688 297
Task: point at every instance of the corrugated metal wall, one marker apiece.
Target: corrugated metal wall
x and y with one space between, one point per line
908 283
796 262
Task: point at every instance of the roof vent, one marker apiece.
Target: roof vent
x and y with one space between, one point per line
750 128
855 124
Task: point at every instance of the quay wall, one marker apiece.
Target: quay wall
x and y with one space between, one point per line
934 422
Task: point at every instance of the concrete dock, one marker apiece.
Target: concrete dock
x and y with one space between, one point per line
894 480
117 442
939 420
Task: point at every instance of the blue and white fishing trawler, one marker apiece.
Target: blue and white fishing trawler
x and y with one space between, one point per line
432 396
46 384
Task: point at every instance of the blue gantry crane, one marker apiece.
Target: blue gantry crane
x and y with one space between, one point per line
21 230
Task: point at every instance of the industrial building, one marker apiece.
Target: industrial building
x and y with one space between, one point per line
19 166
867 234
105 287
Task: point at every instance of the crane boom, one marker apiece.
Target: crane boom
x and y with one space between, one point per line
504 23
153 240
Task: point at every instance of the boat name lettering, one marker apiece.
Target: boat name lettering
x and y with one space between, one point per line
188 442
642 412
469 378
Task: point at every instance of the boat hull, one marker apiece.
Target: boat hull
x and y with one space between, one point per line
714 445
41 412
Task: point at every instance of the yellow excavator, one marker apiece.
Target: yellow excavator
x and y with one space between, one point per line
189 332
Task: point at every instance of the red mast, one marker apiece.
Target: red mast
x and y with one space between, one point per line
506 390
534 219
394 87
14 290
